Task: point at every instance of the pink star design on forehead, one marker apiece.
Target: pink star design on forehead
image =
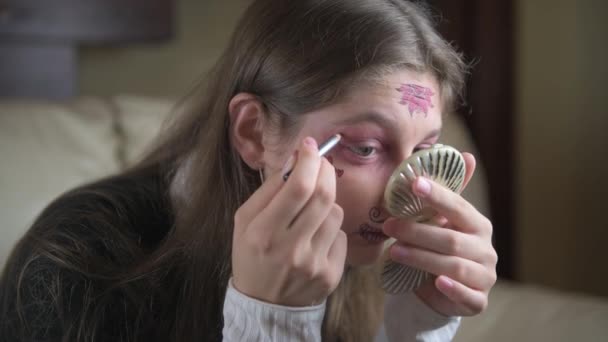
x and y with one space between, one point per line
417 98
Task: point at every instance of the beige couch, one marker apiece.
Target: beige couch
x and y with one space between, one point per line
48 147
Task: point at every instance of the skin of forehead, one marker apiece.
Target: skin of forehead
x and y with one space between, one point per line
393 89
393 85
383 89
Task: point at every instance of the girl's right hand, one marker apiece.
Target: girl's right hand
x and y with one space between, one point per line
288 248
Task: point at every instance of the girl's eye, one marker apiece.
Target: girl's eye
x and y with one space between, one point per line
364 151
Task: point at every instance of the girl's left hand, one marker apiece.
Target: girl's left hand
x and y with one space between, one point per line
456 245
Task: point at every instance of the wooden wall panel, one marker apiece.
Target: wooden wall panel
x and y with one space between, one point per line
483 30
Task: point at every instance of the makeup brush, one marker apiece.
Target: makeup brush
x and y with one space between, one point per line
325 147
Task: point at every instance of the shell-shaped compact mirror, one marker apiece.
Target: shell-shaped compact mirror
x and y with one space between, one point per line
440 163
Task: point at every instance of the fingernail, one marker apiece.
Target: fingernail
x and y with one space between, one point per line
310 142
399 252
445 283
387 226
422 187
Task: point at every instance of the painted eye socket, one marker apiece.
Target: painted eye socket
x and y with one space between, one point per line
363 151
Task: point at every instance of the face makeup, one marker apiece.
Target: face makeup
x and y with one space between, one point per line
339 172
371 234
416 97
375 215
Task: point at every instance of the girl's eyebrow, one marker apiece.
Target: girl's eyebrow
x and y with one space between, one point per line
385 121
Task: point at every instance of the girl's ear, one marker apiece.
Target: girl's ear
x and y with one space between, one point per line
246 123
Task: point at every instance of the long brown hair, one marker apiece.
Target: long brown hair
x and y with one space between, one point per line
296 56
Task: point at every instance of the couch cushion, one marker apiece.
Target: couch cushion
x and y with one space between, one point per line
140 120
519 312
47 148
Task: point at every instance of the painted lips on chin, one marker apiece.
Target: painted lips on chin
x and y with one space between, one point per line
371 234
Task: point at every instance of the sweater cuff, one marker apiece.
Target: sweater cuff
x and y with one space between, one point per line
249 319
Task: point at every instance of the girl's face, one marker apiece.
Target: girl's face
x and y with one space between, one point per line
381 126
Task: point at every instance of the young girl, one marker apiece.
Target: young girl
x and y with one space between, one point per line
205 240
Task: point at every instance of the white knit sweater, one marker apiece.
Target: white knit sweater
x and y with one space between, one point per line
406 318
